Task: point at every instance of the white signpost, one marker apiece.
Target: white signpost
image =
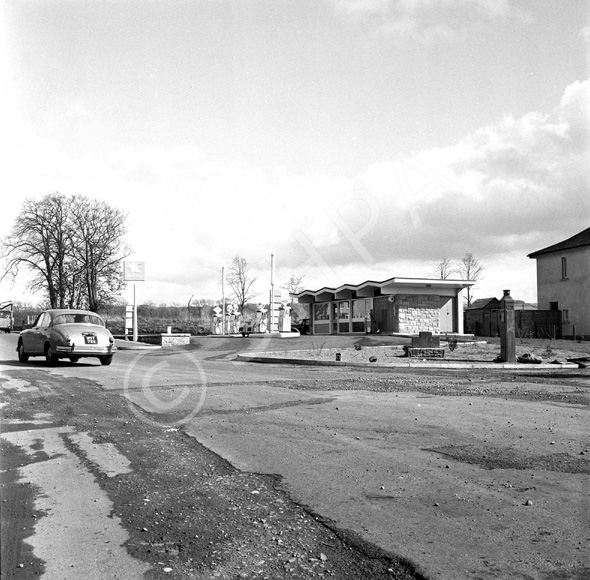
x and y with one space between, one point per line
128 319
133 272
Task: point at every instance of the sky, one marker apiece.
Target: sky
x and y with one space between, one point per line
352 139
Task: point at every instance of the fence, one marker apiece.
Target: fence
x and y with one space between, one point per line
528 323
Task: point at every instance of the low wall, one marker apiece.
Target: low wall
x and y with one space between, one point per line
176 339
425 352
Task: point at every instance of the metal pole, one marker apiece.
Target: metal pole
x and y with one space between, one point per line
134 316
223 300
272 293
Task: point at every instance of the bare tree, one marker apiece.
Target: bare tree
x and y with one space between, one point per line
445 268
240 280
293 285
470 269
72 246
98 248
188 307
40 242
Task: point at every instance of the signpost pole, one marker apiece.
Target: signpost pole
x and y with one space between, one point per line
134 316
223 300
133 272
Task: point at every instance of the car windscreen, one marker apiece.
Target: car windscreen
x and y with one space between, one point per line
77 319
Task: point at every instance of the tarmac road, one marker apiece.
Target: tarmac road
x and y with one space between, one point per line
95 488
472 486
65 491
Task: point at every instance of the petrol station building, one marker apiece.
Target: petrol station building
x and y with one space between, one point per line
396 305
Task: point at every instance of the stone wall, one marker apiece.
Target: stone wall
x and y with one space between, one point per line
425 352
418 312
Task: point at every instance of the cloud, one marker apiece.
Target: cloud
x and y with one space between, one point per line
363 6
429 21
510 187
506 189
78 109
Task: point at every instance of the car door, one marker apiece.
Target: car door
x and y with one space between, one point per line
28 336
38 333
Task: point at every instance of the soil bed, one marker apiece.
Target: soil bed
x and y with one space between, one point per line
477 351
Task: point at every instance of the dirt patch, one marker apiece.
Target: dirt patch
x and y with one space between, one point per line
461 352
564 388
506 458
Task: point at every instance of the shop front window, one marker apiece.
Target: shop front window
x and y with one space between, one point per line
321 311
321 318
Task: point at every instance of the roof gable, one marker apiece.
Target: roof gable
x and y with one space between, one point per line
483 303
577 241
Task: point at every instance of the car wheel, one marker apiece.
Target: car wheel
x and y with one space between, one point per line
22 355
51 358
74 359
106 360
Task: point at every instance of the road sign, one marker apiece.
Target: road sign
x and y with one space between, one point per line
134 271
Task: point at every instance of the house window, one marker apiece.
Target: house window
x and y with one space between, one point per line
564 268
565 315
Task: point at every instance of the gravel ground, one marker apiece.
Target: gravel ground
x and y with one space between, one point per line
480 351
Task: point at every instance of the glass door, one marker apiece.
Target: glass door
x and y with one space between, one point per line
344 317
360 310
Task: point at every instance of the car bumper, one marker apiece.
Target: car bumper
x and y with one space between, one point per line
85 350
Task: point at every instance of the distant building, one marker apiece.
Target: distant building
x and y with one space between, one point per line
482 318
563 282
396 305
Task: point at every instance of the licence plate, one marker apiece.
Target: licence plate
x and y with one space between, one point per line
90 339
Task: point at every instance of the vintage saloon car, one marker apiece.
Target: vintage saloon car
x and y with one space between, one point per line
68 334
